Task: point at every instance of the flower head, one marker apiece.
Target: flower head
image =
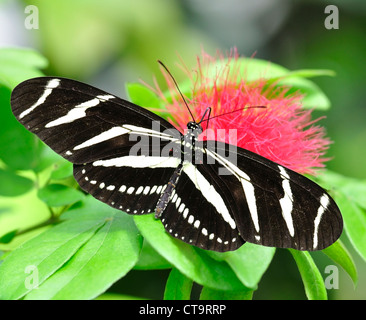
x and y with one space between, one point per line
282 131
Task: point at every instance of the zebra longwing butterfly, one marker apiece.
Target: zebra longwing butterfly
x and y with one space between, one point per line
209 194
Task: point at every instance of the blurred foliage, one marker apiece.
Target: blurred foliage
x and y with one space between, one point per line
113 42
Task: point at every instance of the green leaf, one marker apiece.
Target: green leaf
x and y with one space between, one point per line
142 96
55 195
354 218
46 252
310 274
249 262
253 69
13 185
6 238
95 242
313 98
349 194
151 260
62 169
117 296
106 257
19 149
212 294
194 263
178 286
18 65
310 73
339 254
354 189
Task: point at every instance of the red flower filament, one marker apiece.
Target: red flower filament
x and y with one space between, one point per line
282 131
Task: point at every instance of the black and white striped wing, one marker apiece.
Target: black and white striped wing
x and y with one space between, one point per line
97 132
275 206
83 123
200 210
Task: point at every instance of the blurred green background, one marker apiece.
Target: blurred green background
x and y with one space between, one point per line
108 43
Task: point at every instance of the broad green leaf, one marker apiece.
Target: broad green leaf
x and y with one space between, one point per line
95 242
249 262
354 218
55 195
349 194
149 259
13 185
21 213
107 256
62 169
19 149
142 96
212 294
6 238
310 274
251 69
18 65
310 73
117 296
354 189
178 286
313 98
45 253
194 263
339 254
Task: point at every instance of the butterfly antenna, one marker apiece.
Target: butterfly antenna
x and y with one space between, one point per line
224 114
176 85
208 109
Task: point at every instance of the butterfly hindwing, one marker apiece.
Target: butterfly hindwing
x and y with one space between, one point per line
199 211
119 187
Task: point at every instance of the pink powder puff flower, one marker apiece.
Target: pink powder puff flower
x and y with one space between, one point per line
282 132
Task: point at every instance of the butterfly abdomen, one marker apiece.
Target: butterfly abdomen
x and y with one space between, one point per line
168 192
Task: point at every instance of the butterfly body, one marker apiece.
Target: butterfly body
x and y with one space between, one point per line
206 193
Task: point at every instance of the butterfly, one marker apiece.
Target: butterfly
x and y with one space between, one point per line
209 194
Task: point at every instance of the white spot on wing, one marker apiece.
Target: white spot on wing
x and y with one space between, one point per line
139 190
196 224
130 190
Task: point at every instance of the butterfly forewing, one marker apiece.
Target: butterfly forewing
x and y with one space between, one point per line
277 206
111 142
80 122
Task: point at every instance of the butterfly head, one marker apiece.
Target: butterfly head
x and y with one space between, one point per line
195 128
